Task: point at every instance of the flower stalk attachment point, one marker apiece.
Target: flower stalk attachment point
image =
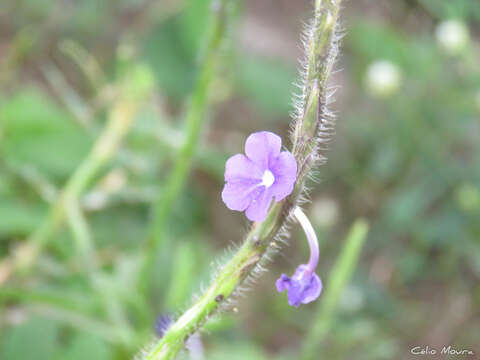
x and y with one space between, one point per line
304 286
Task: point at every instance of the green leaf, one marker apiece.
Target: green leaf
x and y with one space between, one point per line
18 217
453 9
194 24
86 346
183 273
119 226
170 59
415 56
267 83
171 48
36 132
375 41
35 339
239 351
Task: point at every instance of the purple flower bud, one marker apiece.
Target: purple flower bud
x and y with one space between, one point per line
264 173
162 324
304 286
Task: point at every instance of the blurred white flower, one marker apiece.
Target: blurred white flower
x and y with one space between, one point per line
325 212
382 78
452 36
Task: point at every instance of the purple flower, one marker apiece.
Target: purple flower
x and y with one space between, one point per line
162 324
264 173
304 286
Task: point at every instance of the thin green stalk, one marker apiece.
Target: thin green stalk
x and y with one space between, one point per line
183 274
85 61
312 120
19 49
339 278
81 234
133 88
114 309
68 95
120 121
47 297
77 312
84 241
85 323
194 121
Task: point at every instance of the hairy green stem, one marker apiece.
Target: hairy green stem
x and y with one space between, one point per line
229 276
194 120
314 121
339 278
312 118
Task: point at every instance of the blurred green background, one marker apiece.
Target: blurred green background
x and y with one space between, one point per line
405 156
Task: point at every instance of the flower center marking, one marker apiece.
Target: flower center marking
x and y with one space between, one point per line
268 179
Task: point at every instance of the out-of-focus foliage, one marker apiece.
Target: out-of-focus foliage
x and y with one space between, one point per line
406 156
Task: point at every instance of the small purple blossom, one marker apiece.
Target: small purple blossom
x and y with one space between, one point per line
304 286
264 173
162 324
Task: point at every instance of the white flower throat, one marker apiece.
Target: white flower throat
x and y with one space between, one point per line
268 179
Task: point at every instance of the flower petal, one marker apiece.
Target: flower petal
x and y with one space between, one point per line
283 283
262 147
240 167
238 195
257 211
284 169
312 291
303 287
294 295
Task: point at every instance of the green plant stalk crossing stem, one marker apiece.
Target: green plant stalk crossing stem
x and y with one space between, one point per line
121 119
73 311
194 120
321 52
114 309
